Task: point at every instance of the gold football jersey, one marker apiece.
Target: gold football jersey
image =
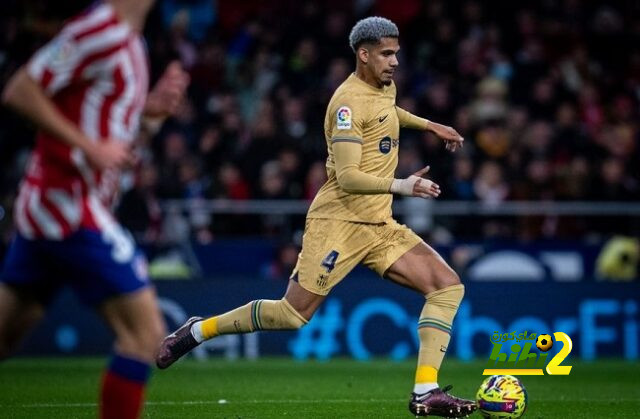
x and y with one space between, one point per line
360 113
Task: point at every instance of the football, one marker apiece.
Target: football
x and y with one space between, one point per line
544 342
501 396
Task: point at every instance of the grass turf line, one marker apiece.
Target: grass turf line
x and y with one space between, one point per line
281 387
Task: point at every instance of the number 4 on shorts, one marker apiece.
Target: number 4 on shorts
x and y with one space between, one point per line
329 261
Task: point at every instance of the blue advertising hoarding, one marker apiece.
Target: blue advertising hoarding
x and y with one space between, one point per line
369 317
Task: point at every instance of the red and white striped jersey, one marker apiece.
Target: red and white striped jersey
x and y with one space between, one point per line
96 72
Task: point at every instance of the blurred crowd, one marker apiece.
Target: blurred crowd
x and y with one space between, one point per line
546 94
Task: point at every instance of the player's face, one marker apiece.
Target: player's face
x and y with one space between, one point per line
383 60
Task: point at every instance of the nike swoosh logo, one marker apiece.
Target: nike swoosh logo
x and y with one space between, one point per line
382 118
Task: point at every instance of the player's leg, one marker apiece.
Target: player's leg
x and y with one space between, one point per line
410 262
138 327
323 262
19 313
291 312
107 273
424 270
26 287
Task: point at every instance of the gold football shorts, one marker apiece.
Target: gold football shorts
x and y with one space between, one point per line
332 248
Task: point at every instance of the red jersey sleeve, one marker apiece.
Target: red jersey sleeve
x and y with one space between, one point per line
80 52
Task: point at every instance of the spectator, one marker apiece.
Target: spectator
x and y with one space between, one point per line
282 265
316 177
542 119
139 210
489 185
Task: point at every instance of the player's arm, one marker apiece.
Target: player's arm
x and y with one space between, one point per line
59 64
27 96
165 97
411 121
450 136
346 144
347 153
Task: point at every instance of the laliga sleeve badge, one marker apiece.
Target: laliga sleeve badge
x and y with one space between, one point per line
343 118
60 53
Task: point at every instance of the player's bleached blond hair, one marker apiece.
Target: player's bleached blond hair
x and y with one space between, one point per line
372 29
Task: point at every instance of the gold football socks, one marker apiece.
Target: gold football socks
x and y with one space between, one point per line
434 331
256 315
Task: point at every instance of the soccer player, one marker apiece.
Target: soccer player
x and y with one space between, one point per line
86 90
349 222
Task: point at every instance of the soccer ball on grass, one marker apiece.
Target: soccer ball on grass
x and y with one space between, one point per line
501 396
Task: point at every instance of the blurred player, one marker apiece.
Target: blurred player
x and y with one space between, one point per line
350 222
87 90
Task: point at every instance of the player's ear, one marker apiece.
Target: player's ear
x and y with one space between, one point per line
363 54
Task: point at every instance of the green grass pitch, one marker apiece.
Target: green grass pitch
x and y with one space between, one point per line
279 387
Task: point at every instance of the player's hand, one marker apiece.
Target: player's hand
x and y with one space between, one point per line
452 140
424 188
165 97
110 154
416 185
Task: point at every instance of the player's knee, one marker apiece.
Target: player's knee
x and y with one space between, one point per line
152 338
142 343
447 278
447 297
155 335
280 315
294 319
143 348
452 279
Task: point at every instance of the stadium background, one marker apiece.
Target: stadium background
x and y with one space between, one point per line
539 212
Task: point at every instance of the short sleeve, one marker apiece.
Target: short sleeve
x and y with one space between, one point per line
53 66
73 56
347 123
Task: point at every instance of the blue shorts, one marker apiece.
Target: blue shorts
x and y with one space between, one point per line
96 265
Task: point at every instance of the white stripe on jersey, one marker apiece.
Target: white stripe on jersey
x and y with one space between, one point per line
103 219
45 222
59 57
60 79
35 66
97 47
91 109
22 222
102 66
108 185
95 17
92 44
119 108
63 55
80 162
123 249
104 39
70 207
139 54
